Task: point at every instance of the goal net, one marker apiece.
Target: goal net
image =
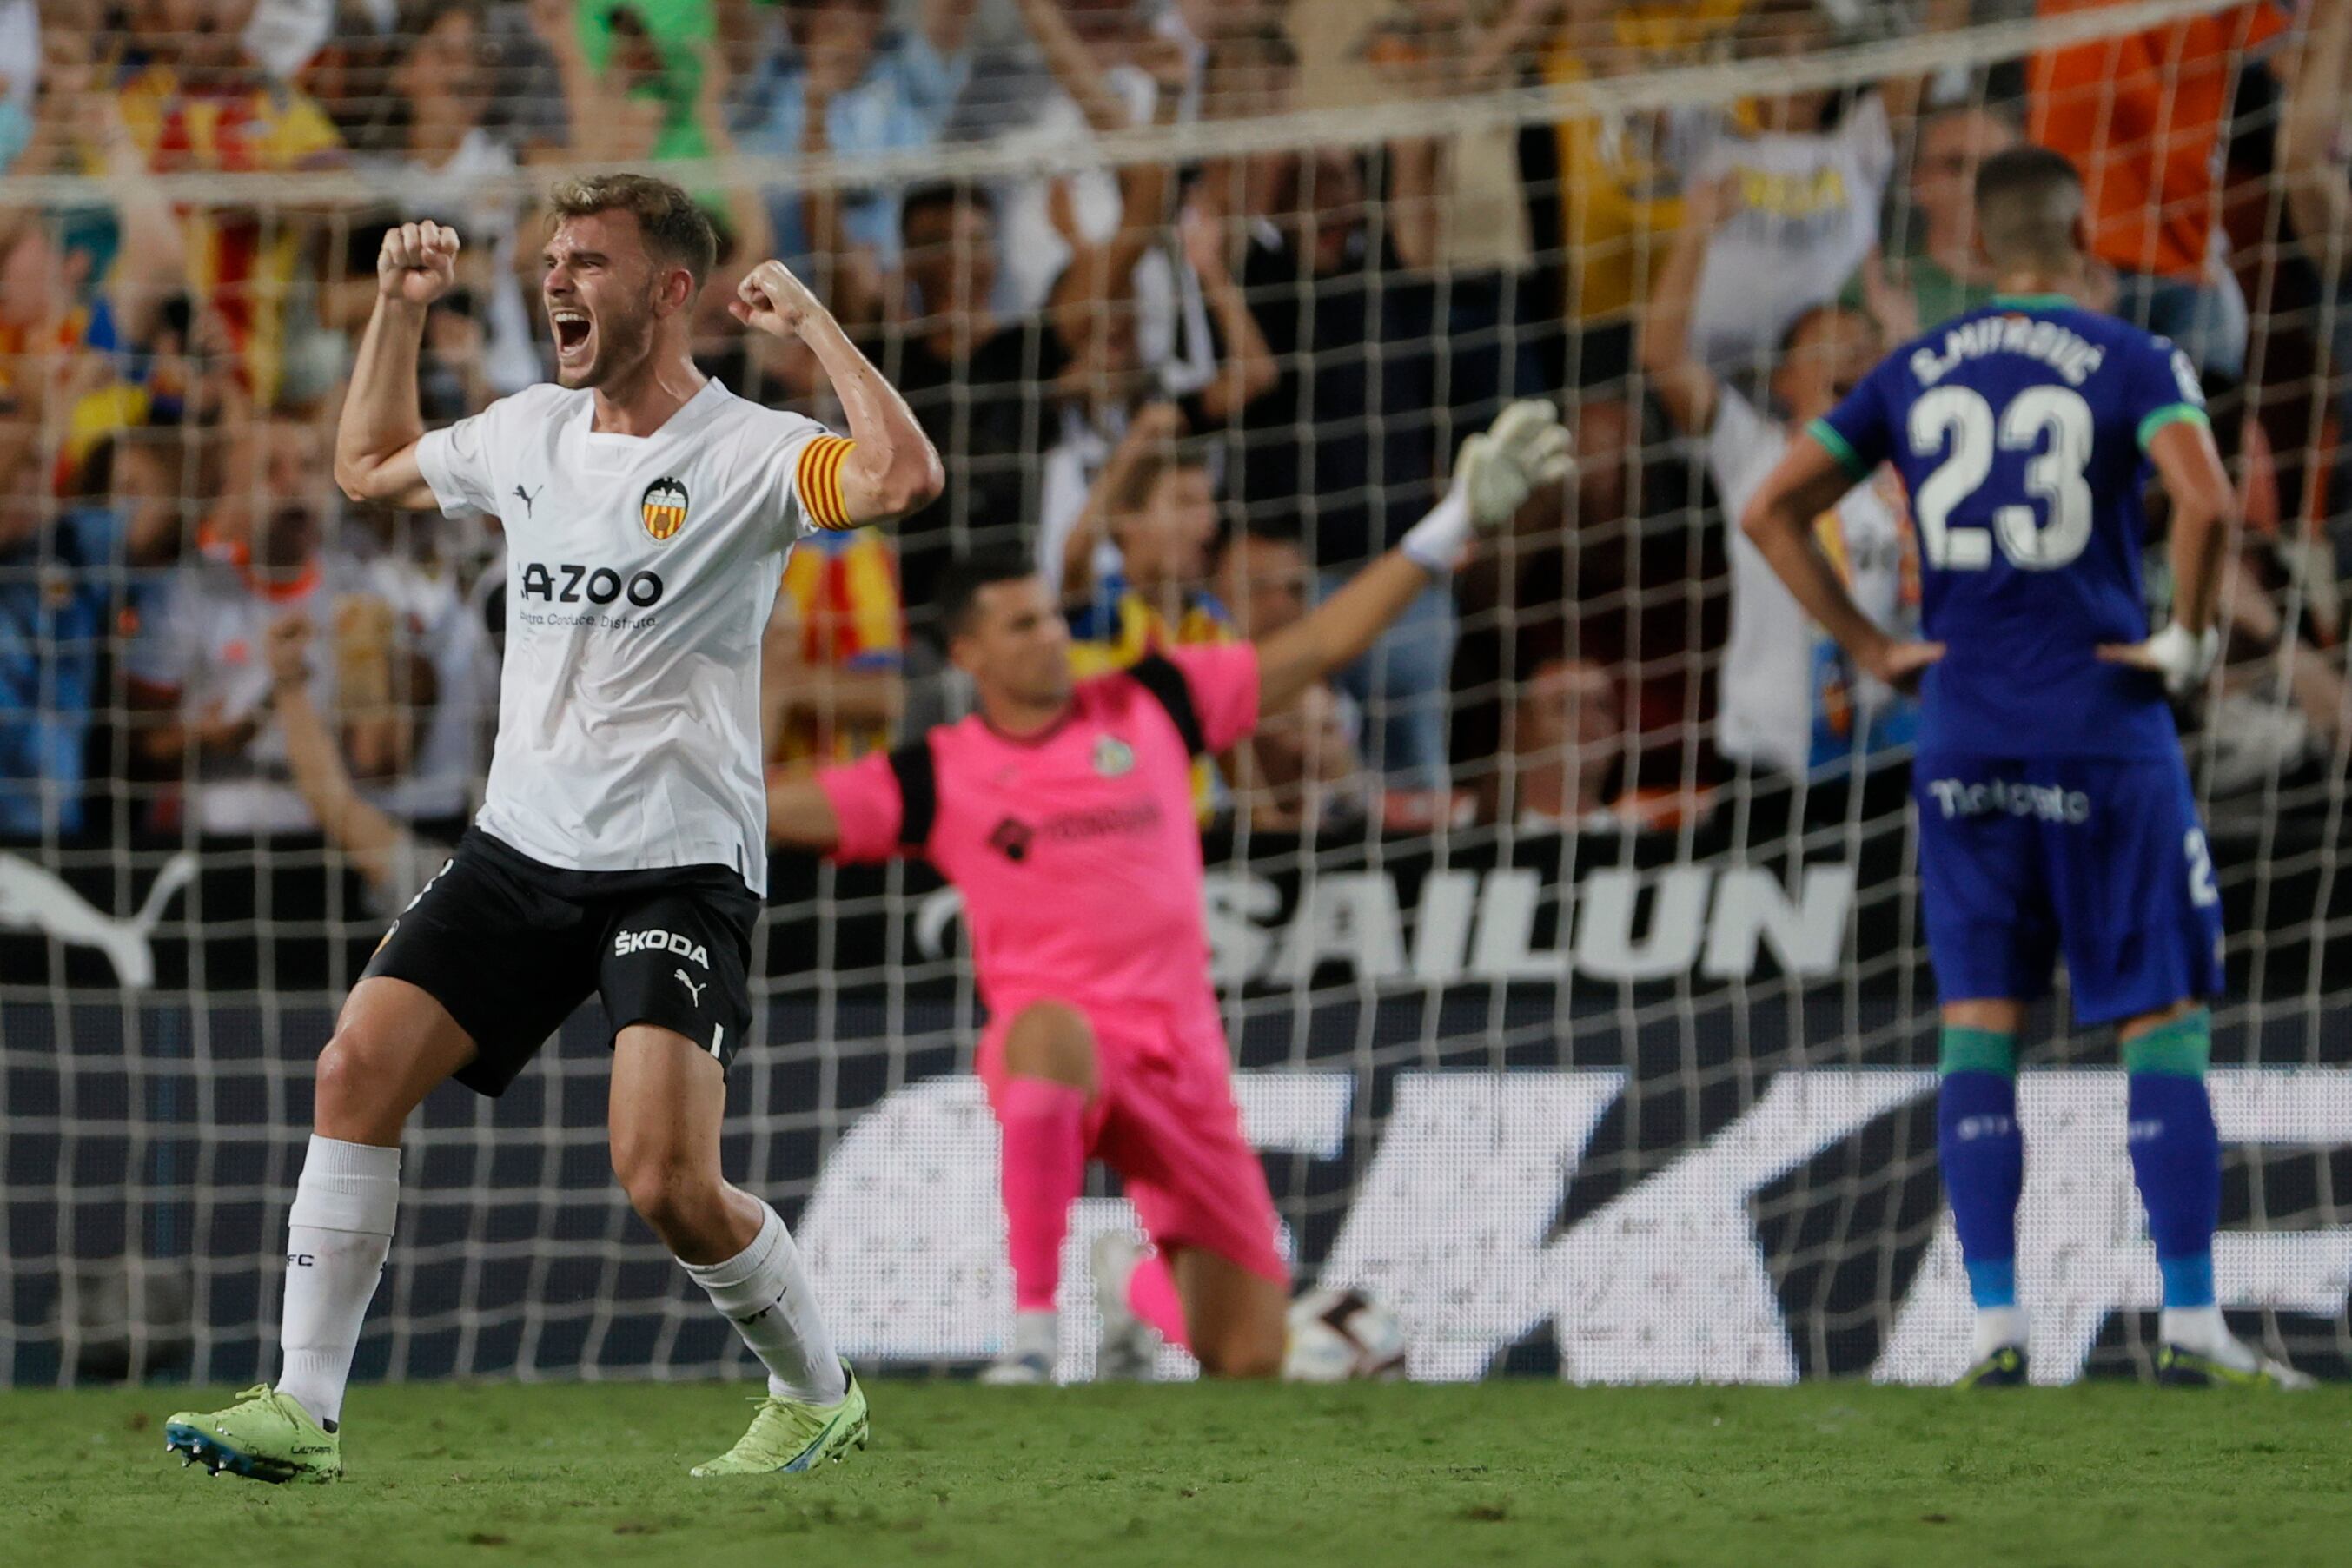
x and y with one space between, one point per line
1570 950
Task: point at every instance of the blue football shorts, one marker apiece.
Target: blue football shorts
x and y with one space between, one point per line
2099 860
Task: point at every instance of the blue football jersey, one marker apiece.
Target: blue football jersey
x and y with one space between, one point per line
2022 431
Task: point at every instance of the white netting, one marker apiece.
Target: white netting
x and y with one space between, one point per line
1587 1026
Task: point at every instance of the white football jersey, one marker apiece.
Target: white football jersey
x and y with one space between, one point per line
640 571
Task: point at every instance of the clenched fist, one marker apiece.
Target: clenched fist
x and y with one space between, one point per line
417 264
771 298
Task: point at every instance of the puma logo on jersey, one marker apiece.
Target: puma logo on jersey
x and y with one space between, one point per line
697 991
528 496
686 947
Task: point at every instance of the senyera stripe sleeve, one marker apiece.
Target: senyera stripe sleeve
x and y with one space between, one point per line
817 476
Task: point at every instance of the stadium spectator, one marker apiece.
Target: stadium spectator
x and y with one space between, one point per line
196 104
1937 272
1456 203
1263 579
20 72
444 88
1342 451
643 60
64 573
1263 582
2315 138
199 671
1153 513
392 860
832 664
2143 117
82 293
1301 773
834 78
1136 317
972 376
1567 748
1812 167
1107 72
1156 505
1788 702
1620 175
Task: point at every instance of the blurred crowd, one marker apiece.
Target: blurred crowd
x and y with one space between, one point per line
1199 391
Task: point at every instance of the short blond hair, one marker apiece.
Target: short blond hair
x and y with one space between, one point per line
677 230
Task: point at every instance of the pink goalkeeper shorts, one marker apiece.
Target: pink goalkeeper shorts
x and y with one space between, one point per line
1163 1118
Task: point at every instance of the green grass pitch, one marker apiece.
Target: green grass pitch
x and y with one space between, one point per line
1362 1475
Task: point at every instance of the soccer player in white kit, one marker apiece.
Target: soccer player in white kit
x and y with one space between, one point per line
621 843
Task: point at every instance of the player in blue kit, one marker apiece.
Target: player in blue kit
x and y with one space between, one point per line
2054 807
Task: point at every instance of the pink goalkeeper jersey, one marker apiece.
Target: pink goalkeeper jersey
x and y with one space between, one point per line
1076 850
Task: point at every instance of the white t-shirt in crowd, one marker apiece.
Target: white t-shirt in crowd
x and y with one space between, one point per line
511 357
208 642
1786 698
1806 216
640 572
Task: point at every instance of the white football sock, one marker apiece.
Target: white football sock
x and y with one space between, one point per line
1999 1327
337 1235
1036 1333
2203 1330
766 1293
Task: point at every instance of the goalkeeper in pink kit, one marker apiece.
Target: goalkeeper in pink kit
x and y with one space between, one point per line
1063 810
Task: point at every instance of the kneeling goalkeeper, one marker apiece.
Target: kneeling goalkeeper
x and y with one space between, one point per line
1063 810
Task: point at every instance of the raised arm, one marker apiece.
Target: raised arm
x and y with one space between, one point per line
375 441
1248 370
358 829
801 816
2315 128
1154 428
1500 468
892 468
1808 482
1073 65
1684 385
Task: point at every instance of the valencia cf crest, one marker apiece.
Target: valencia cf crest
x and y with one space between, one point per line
1114 759
663 508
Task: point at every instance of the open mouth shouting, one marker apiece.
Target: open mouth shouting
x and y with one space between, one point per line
575 339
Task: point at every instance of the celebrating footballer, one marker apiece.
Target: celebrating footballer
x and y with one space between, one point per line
620 848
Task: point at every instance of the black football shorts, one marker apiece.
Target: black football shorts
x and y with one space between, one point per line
511 946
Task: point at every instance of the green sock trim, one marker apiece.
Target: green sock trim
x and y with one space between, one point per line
2183 1048
1978 1051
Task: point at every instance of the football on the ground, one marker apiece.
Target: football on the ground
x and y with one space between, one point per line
1339 1335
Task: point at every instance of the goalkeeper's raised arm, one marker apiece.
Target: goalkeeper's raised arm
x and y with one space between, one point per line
1498 469
891 468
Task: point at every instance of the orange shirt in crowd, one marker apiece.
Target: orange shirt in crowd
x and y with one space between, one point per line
2141 116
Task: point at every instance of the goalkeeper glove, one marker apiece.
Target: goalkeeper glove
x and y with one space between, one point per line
1498 469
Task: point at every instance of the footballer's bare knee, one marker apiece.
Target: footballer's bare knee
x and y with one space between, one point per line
682 1197
393 1042
1052 1041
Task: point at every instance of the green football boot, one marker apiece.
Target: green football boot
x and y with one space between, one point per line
264 1437
792 1436
2179 1368
2004 1368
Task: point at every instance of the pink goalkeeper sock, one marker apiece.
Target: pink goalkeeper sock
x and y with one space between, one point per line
1151 1296
1044 1164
